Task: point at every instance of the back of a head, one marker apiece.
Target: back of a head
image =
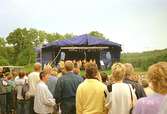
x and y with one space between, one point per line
1 72
135 77
129 70
8 75
69 66
61 64
21 74
157 75
1 69
54 72
91 70
37 67
144 83
118 71
104 76
42 74
14 73
48 69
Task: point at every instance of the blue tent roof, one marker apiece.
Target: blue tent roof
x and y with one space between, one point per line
86 40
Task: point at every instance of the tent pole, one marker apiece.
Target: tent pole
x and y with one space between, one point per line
55 57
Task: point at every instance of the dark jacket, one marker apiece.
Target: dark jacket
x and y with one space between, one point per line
139 91
66 87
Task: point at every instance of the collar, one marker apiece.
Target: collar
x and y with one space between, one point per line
91 80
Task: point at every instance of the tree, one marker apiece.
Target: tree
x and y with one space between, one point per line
3 51
54 36
68 35
3 61
27 56
21 39
96 34
37 37
2 42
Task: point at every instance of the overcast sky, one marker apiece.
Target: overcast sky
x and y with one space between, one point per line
139 25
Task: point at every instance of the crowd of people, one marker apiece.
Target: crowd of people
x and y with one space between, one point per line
62 90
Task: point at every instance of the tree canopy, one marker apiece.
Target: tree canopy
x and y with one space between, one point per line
97 34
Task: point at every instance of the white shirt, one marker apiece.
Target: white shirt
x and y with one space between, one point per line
119 100
19 85
33 80
44 101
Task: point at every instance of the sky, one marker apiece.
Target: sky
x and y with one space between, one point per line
139 25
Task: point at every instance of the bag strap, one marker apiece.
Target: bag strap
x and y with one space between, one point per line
131 95
26 81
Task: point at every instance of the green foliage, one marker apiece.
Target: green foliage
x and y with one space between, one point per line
37 37
22 43
20 39
96 34
27 56
3 61
68 35
2 42
28 68
145 59
53 37
5 52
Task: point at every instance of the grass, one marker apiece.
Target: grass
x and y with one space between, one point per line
29 68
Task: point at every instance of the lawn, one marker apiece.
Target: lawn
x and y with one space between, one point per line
29 68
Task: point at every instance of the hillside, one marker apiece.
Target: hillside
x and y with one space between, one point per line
145 59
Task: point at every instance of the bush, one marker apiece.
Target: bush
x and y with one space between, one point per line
145 59
3 61
27 56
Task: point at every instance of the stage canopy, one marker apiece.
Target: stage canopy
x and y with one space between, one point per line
80 47
81 40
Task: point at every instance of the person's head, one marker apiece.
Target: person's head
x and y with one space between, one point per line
157 76
14 73
135 77
22 74
27 73
118 71
76 69
37 67
61 64
48 69
54 72
1 72
111 80
104 77
8 75
129 70
91 70
43 76
144 83
69 66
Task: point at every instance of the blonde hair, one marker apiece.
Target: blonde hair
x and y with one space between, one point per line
37 66
48 69
129 70
136 77
69 65
157 75
118 71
